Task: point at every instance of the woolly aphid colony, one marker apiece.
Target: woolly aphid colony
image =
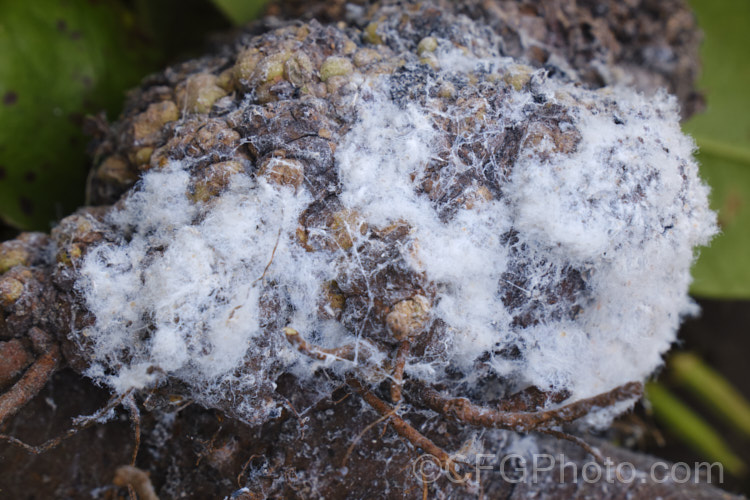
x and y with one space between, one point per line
400 192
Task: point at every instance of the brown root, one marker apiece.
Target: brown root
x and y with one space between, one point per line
346 352
138 480
404 429
80 424
135 417
464 411
575 439
398 370
30 383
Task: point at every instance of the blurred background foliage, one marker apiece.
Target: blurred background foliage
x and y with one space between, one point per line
723 136
694 402
61 60
58 62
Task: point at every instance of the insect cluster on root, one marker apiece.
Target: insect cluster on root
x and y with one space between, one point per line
445 225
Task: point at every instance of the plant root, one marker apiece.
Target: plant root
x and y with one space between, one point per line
576 440
464 411
79 424
404 349
137 480
35 377
315 352
364 431
461 410
404 429
135 417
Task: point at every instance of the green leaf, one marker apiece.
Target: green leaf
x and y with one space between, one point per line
719 395
59 60
691 428
240 11
723 136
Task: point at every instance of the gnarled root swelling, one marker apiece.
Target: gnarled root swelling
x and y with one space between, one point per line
439 194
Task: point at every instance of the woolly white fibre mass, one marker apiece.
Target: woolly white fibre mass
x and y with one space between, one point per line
181 294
